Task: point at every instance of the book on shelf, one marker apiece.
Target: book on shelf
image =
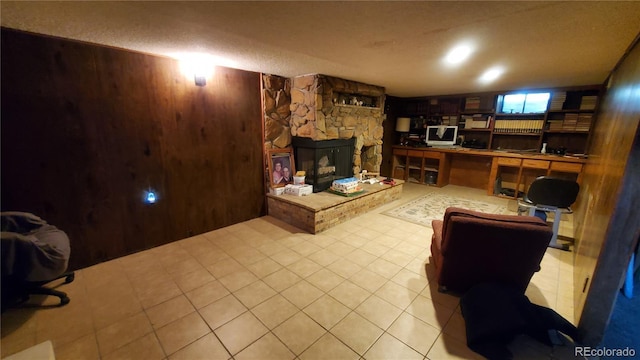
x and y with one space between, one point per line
584 122
448 108
588 102
472 103
476 121
479 124
557 100
450 120
508 126
467 120
570 121
555 124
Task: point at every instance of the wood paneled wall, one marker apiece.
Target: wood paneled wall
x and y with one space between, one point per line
610 194
389 135
86 129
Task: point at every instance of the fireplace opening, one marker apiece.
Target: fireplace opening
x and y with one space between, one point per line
323 161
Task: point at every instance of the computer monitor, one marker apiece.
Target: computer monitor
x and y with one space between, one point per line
441 135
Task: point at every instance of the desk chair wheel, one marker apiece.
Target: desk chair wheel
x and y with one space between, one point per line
70 278
64 300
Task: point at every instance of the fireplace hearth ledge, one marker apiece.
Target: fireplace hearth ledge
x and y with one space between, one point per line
320 211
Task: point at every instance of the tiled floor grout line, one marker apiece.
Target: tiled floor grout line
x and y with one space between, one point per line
302 310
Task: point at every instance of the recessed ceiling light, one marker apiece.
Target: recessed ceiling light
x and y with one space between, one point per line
491 74
458 54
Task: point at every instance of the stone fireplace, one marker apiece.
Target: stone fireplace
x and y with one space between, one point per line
323 161
369 159
329 108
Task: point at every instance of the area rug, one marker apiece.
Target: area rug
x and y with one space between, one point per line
432 206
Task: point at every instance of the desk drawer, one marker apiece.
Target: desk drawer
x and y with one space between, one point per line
399 152
535 164
432 154
566 167
508 161
415 153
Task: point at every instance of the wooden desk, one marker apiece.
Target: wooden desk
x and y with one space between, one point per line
480 168
407 160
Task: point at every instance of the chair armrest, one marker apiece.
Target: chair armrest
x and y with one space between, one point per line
437 226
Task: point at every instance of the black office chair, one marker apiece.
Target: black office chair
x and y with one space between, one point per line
549 194
34 253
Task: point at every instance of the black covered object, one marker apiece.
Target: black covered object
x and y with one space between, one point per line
33 254
495 314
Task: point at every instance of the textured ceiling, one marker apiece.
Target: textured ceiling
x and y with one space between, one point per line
397 45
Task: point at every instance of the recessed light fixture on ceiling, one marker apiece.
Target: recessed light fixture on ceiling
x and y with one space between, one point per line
491 74
458 54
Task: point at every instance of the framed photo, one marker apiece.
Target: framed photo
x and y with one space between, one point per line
281 167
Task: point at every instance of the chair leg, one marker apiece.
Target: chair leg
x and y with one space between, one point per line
39 288
556 226
64 299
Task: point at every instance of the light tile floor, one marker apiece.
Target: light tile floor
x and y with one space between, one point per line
262 289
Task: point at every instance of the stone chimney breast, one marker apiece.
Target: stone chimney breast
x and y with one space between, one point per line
325 108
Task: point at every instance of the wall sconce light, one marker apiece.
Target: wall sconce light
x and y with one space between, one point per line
200 66
403 125
201 80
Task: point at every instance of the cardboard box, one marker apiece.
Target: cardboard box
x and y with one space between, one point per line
298 190
276 191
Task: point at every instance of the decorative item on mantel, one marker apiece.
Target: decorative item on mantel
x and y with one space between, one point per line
298 190
369 177
298 178
276 191
388 181
346 187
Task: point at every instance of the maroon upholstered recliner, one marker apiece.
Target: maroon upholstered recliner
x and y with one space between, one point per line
470 247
